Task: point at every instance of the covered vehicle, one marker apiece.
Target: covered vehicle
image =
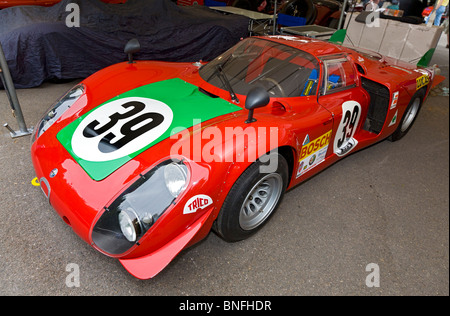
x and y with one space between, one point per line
143 158
40 45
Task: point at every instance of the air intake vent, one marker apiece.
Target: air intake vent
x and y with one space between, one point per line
378 106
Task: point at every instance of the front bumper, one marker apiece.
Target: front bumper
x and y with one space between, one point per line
148 266
77 204
80 201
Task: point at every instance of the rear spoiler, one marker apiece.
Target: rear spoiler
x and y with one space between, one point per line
338 38
426 58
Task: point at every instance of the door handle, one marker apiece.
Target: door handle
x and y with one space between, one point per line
328 121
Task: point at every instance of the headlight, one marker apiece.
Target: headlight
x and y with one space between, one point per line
129 224
175 177
58 109
132 214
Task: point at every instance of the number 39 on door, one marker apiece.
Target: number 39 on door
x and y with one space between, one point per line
344 141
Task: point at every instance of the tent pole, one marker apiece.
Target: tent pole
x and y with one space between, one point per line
341 18
12 96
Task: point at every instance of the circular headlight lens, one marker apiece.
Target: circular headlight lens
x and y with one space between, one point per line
129 225
175 177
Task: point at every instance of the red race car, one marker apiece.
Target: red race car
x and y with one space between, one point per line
143 158
45 3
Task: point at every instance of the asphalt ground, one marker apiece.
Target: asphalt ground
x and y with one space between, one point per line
387 205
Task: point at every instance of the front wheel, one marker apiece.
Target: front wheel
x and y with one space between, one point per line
252 200
409 116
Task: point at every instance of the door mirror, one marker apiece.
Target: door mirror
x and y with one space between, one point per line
133 46
257 97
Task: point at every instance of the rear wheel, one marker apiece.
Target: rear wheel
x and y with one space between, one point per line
252 200
300 8
409 116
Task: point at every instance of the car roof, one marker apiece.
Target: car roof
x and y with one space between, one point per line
312 46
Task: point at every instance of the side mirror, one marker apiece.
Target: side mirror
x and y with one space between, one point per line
257 97
133 46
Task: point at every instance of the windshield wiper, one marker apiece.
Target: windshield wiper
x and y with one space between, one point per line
226 83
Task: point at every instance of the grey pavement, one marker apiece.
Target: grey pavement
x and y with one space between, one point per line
387 204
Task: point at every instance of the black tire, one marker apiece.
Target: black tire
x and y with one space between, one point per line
300 8
333 5
237 219
409 117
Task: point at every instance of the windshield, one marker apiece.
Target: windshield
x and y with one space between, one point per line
282 70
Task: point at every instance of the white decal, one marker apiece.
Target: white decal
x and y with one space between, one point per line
120 128
394 119
197 202
343 140
394 100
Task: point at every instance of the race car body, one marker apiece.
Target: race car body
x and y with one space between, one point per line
143 158
45 3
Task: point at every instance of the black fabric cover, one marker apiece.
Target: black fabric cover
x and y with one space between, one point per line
39 46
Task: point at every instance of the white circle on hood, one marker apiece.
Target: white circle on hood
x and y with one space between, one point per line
121 128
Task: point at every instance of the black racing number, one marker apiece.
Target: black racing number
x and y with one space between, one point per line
92 130
350 118
130 130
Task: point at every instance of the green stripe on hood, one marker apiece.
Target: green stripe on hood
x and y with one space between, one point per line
113 133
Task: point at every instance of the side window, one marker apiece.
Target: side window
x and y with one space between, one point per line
339 75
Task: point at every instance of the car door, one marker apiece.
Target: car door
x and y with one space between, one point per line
341 94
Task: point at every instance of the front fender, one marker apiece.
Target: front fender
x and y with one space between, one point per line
281 140
148 266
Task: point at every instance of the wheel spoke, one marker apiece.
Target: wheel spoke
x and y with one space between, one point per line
260 201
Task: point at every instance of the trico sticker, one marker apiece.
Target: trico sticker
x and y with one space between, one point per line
313 152
422 81
120 128
197 202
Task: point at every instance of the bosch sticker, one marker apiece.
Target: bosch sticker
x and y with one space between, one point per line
197 202
422 81
313 152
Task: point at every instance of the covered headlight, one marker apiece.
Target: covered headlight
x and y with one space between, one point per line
131 215
58 109
175 177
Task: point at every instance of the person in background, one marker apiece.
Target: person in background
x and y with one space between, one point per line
445 25
440 7
373 5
